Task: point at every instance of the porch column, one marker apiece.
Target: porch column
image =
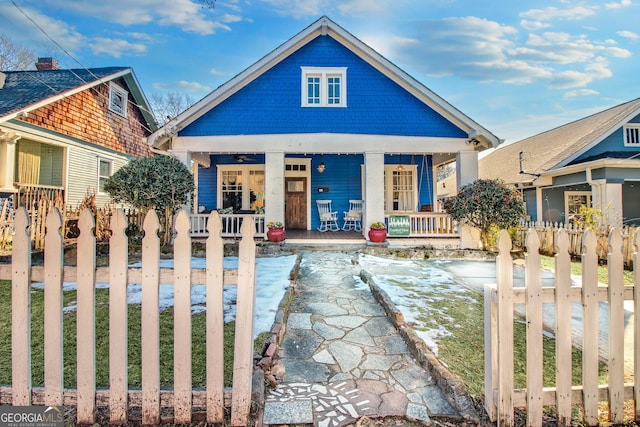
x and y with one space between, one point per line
185 158
7 158
434 186
373 190
274 186
466 168
607 196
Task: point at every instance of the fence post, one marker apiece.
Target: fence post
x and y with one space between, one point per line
504 270
118 319
491 353
21 311
85 318
53 326
616 326
150 324
243 349
182 320
533 289
563 327
636 324
215 320
590 313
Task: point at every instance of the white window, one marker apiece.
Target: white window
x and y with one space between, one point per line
632 135
118 99
573 200
324 87
105 170
400 189
241 187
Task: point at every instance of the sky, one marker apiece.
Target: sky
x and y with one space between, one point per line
518 68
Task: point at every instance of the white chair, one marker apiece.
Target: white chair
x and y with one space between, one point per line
328 217
353 217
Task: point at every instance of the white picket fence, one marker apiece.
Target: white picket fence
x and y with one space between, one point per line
500 396
150 398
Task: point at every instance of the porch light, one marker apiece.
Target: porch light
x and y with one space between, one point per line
321 167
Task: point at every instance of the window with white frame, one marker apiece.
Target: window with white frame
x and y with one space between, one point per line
324 87
118 99
632 135
105 170
573 200
400 189
241 187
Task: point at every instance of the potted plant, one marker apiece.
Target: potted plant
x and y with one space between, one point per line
275 231
377 232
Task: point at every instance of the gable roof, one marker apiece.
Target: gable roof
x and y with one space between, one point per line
325 26
24 91
554 148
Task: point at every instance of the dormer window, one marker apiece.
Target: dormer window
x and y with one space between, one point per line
324 87
632 135
118 99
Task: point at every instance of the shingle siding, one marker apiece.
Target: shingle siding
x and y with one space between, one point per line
271 104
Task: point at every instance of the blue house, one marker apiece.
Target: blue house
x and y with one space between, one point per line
592 162
324 117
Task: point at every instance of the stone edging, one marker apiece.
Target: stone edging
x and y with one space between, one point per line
452 385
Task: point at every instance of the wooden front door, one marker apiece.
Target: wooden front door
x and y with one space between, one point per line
295 211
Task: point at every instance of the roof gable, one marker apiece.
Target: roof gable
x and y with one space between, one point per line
557 147
24 91
324 26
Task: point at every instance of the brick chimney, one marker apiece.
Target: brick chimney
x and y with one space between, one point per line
47 64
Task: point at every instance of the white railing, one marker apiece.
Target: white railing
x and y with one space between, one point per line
429 224
231 224
501 397
150 398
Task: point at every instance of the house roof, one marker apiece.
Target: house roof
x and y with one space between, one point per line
24 91
554 148
325 26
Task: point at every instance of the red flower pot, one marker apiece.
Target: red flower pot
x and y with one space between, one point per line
377 235
275 234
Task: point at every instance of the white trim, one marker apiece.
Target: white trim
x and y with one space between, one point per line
600 163
575 193
305 174
388 188
116 93
324 73
633 128
335 143
245 169
101 159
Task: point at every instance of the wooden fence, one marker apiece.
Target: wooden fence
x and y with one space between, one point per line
547 232
118 397
500 396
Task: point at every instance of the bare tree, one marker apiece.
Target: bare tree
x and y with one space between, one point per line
167 106
14 57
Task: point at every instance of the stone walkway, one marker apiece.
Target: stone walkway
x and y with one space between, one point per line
343 358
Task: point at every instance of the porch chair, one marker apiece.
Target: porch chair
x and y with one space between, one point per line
353 217
328 217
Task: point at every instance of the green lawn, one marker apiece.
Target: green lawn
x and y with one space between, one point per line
548 263
102 342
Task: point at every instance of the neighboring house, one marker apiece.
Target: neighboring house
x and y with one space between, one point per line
592 161
323 116
67 131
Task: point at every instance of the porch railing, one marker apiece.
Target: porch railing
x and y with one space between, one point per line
29 194
231 224
429 224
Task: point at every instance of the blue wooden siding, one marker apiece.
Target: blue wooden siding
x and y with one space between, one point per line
342 177
271 104
612 146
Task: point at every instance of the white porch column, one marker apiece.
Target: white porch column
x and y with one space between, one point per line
274 186
608 198
185 158
466 168
373 190
7 158
434 185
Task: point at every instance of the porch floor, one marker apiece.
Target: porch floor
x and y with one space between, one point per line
315 237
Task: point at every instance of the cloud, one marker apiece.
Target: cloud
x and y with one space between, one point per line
215 72
182 86
553 13
618 5
581 92
533 25
115 47
315 8
629 35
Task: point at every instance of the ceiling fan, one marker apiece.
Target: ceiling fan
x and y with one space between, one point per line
242 158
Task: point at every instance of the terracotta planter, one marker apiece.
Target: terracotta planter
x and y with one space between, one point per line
377 235
275 234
